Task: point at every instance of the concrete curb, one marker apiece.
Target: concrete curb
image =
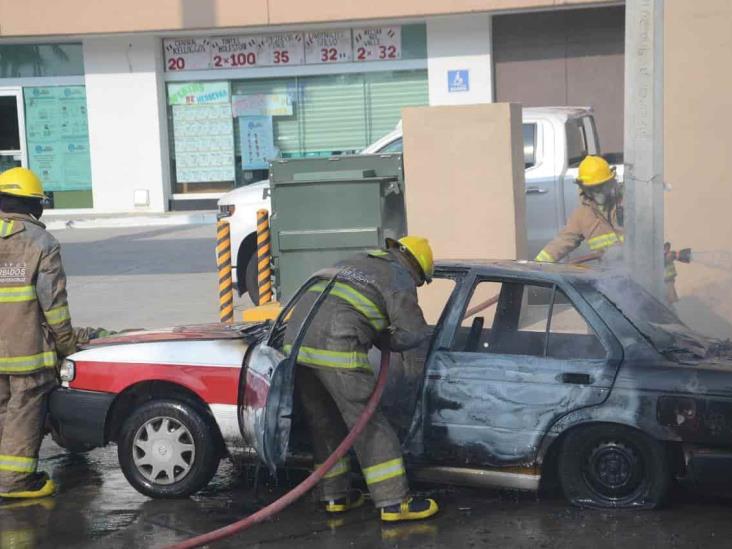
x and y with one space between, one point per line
132 220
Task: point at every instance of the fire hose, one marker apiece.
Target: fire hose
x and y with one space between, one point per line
309 483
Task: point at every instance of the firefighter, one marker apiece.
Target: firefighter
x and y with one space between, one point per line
598 219
373 302
35 331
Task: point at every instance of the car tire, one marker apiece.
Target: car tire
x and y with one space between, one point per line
168 449
250 275
612 466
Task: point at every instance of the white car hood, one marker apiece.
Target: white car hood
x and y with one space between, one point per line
252 193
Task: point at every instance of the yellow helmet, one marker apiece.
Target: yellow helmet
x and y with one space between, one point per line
594 170
21 182
420 250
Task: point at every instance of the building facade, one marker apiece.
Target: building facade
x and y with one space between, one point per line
168 109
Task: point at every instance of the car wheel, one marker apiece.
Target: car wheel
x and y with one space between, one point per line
168 449
611 466
251 279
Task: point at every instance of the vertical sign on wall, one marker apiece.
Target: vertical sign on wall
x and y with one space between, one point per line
58 137
203 131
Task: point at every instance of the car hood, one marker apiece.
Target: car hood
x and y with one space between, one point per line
248 193
198 332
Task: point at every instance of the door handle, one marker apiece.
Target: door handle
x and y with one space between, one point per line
575 378
536 190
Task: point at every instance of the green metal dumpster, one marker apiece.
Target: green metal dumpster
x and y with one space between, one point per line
326 209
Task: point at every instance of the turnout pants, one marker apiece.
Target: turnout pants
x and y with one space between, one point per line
22 415
333 400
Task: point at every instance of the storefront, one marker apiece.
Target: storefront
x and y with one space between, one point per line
325 93
43 119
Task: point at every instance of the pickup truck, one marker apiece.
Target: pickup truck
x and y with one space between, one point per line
555 139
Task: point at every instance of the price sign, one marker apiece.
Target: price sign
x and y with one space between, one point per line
287 48
328 47
236 51
377 43
187 54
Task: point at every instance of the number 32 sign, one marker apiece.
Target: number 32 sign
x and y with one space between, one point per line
377 43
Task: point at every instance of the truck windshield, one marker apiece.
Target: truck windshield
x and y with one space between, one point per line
666 331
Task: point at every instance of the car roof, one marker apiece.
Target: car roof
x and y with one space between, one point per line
512 268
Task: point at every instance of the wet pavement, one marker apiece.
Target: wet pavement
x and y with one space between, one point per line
96 507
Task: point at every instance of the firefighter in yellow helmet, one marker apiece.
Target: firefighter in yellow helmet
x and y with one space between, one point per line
599 217
35 331
373 302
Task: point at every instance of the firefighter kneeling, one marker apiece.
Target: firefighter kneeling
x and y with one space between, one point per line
373 302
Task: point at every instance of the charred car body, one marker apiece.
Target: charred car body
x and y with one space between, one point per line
535 372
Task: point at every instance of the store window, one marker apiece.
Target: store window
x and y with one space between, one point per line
223 134
45 127
27 60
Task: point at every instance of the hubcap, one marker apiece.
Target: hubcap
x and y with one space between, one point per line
163 450
613 470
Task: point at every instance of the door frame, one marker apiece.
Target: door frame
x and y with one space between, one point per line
17 91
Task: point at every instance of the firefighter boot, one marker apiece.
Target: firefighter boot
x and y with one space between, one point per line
41 488
353 500
411 509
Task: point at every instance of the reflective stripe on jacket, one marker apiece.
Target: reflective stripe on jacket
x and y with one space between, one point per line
374 300
585 223
34 315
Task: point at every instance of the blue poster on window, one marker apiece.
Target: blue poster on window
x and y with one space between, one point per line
257 142
58 137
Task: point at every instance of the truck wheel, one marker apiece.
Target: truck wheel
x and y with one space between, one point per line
611 466
168 449
251 279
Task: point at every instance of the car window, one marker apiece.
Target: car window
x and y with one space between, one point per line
576 142
529 145
395 146
433 298
518 318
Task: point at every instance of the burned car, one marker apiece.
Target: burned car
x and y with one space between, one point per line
535 373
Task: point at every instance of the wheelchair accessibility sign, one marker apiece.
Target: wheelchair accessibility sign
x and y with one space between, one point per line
458 80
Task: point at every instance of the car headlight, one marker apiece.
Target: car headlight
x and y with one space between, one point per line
67 371
226 210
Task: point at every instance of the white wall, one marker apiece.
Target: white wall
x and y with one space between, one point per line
460 42
127 122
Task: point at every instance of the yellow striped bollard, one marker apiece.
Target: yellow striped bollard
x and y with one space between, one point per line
264 258
223 262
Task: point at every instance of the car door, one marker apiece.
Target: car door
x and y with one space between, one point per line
520 355
267 387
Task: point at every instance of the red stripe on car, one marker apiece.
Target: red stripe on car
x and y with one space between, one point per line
214 384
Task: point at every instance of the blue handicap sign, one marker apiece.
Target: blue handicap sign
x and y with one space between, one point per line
458 80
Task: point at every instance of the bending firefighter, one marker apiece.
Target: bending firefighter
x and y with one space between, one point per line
35 331
599 217
374 302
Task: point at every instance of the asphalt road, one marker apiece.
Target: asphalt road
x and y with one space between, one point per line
143 277
95 508
165 276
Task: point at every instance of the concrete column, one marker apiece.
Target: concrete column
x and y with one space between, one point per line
127 123
644 143
460 43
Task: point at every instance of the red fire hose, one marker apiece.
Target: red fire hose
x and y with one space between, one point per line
298 491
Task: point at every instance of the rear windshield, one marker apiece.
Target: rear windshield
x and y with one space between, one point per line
664 329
